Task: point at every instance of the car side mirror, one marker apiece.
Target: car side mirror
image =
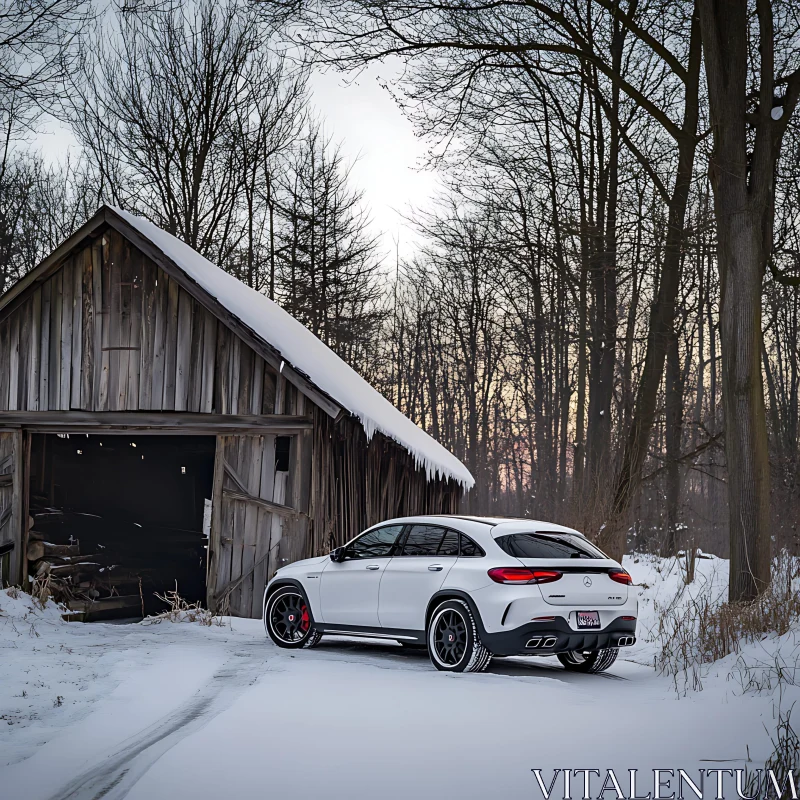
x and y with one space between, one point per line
338 554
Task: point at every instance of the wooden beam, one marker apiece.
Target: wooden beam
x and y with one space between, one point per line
215 534
153 422
104 604
243 331
220 596
234 476
278 508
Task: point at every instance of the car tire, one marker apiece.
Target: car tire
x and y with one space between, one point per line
454 643
288 620
591 662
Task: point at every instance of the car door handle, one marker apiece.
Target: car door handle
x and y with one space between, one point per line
373 566
435 567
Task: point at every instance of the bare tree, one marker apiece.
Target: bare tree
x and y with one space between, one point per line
469 59
39 42
753 73
162 109
40 206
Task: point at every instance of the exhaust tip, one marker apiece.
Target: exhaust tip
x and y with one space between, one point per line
626 641
549 641
534 642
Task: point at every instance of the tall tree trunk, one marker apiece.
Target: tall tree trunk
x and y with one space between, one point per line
579 454
743 179
603 314
746 443
674 427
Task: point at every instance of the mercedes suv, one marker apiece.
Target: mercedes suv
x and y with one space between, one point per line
466 588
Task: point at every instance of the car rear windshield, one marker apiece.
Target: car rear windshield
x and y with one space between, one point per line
548 545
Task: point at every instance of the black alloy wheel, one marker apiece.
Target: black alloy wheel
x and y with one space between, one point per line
454 644
288 620
450 637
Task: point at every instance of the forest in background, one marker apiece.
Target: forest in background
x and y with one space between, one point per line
560 326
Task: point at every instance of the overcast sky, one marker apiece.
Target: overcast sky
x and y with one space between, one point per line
373 133
371 127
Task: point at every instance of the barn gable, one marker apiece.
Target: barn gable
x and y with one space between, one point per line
106 327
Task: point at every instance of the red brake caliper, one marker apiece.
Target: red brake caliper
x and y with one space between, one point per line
304 620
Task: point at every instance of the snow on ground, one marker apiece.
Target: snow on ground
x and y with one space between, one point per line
178 710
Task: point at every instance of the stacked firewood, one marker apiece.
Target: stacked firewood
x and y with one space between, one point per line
85 583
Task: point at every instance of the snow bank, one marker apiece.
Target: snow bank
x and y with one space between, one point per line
17 606
669 623
660 585
306 353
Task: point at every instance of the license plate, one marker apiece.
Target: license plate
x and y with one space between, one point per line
588 619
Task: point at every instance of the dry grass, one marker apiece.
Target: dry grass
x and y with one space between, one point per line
785 759
786 744
703 631
41 589
180 610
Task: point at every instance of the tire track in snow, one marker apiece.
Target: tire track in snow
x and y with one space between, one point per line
116 775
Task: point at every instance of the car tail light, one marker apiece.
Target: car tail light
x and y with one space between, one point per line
543 619
620 576
518 575
628 619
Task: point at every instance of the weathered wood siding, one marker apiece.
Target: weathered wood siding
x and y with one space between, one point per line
110 331
242 533
338 484
250 541
355 484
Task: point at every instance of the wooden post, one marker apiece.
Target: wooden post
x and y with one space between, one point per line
214 539
26 504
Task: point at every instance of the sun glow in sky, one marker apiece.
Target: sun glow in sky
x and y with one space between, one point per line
373 130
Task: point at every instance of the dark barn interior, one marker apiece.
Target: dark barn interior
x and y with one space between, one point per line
122 517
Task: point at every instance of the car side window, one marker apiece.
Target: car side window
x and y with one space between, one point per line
469 549
378 543
449 544
424 540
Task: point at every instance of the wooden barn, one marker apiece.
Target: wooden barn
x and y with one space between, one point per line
160 421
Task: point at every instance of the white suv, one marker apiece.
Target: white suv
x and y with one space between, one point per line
467 588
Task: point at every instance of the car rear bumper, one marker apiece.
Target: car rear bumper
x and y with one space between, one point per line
548 638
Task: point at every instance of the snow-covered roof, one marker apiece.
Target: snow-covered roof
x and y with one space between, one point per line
306 353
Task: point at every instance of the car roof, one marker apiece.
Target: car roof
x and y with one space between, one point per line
495 526
508 527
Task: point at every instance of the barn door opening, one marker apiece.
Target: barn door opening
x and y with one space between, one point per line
255 520
10 507
119 518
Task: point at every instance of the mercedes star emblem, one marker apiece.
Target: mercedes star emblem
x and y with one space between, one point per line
587 581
